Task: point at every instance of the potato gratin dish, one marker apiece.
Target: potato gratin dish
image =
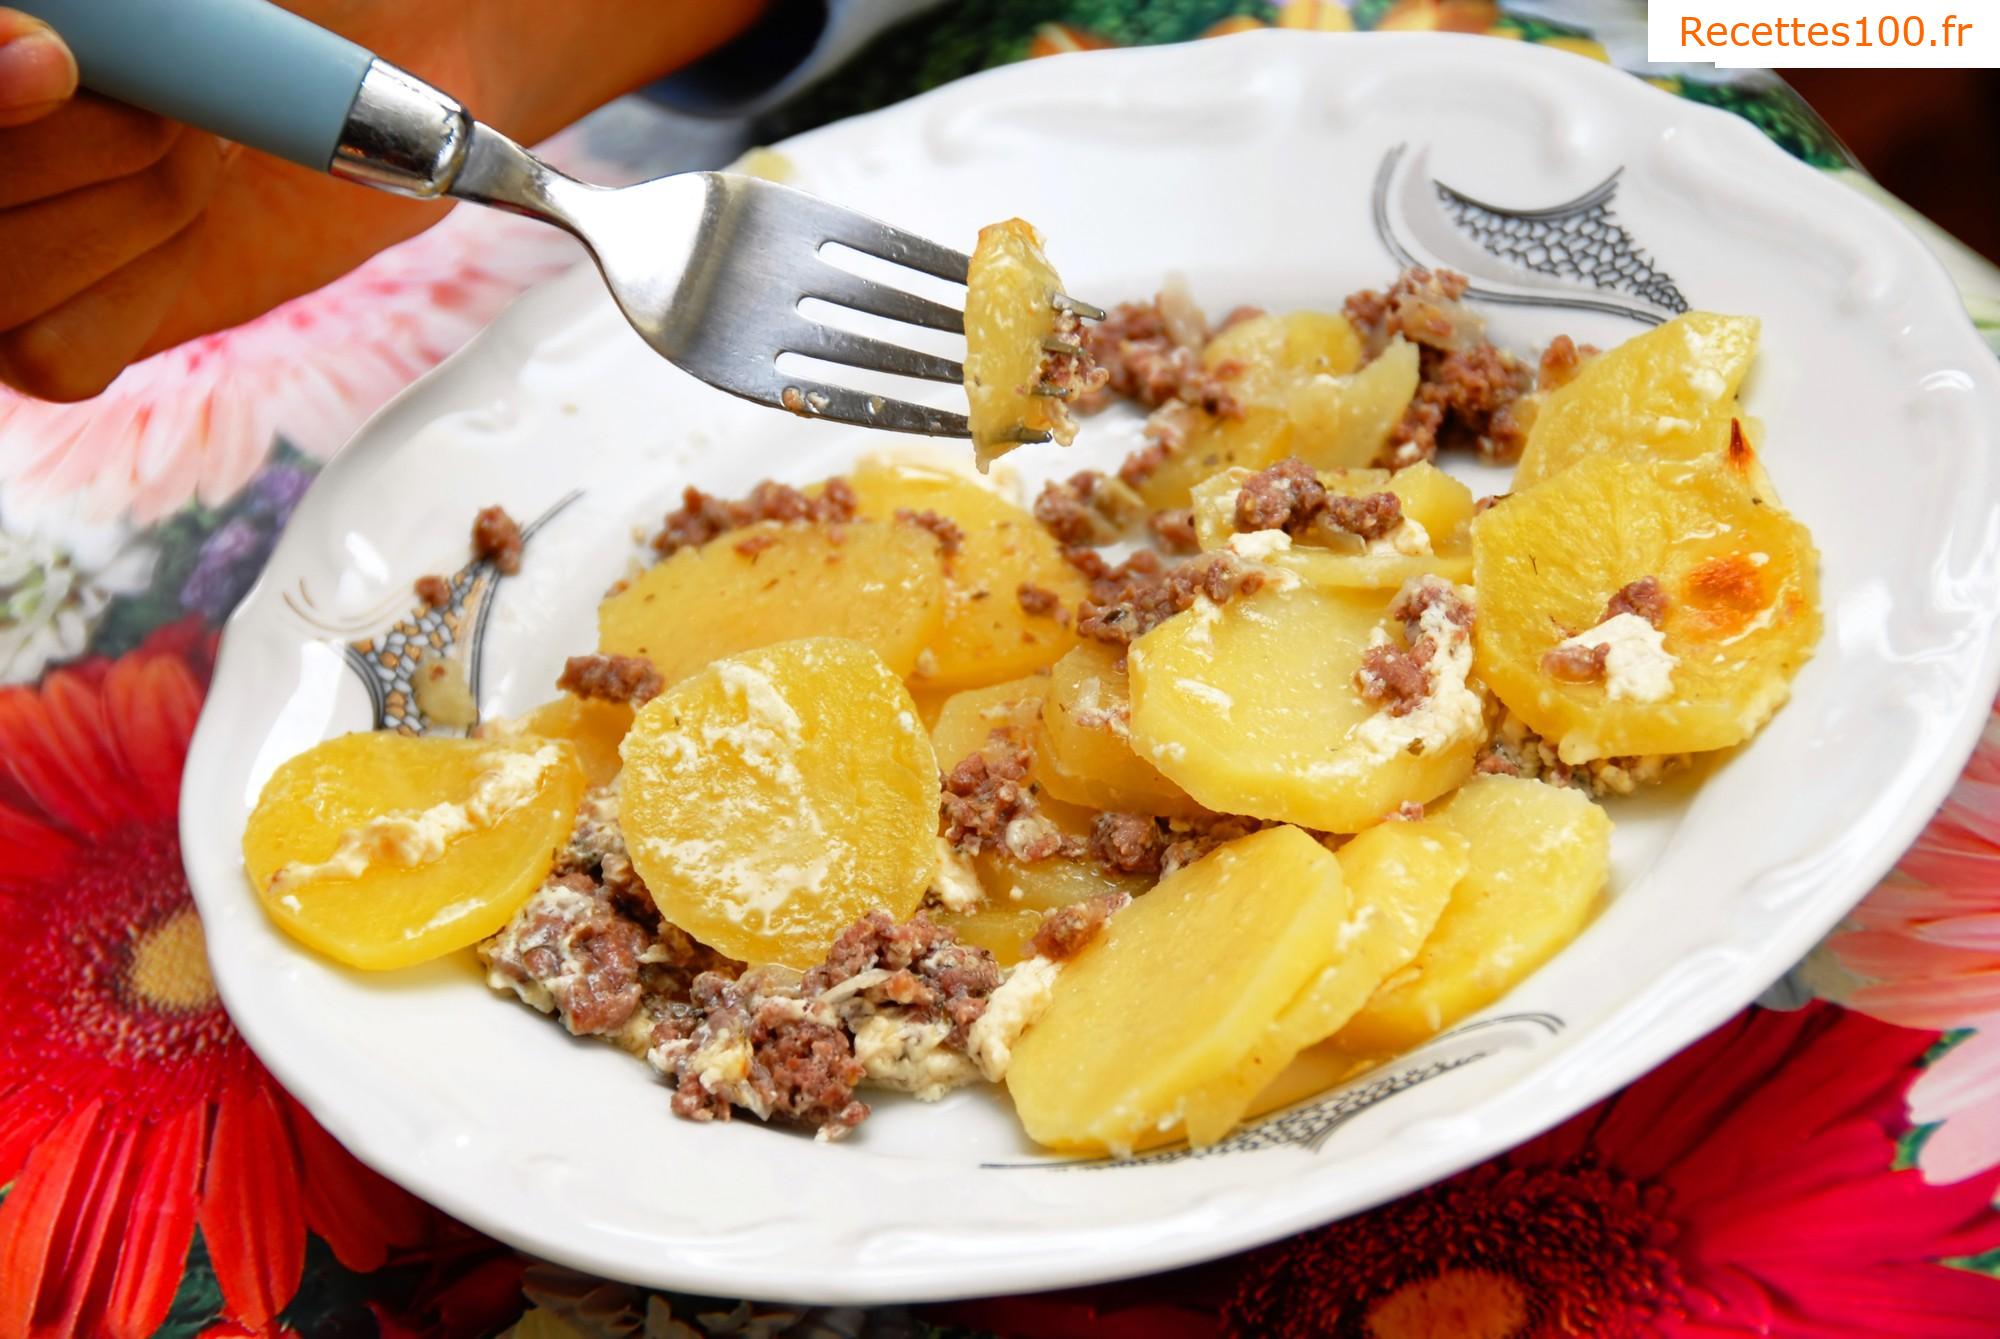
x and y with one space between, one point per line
1275 740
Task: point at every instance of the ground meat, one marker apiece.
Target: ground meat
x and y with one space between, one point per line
1142 604
1644 597
1415 599
1127 843
1575 664
1368 516
434 591
495 536
1464 382
983 795
929 970
1288 496
1140 465
1561 361
1073 374
1088 508
701 516
1237 316
1065 931
1395 679
760 1051
569 950
1516 750
949 537
1139 844
1136 349
1039 601
1173 529
611 678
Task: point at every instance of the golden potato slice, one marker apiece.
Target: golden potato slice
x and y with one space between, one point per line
1251 708
1399 877
777 796
987 636
1275 353
880 585
1345 421
1009 312
1742 587
1670 391
1261 437
1179 986
1541 855
592 727
1086 721
1437 542
968 719
383 850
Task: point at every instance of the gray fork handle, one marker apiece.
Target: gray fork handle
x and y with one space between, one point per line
256 74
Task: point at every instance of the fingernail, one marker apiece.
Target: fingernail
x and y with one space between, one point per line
35 69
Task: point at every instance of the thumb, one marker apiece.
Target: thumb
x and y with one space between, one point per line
37 72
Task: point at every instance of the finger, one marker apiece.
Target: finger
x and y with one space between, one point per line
86 140
79 348
37 72
54 249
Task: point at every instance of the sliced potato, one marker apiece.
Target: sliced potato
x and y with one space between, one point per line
592 727
1251 708
968 719
777 796
1670 392
1277 352
1345 421
1399 878
1178 987
877 584
382 850
1261 437
1541 856
1742 614
987 636
1089 758
1009 312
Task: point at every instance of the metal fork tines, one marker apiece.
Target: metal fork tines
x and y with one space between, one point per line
759 259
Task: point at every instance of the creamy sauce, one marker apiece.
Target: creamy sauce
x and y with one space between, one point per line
1637 666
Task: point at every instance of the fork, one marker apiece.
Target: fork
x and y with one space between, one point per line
709 267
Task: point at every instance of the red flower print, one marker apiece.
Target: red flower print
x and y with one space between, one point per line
130 1109
1744 1188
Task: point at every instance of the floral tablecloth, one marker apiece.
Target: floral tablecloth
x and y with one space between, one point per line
1823 1165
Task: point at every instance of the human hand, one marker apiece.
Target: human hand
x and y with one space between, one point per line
122 233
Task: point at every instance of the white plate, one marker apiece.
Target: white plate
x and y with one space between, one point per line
1268 169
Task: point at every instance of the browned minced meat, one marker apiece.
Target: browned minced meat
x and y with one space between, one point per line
801 1071
949 537
1088 508
434 591
1141 605
1366 516
1288 496
1173 529
702 516
1575 664
611 678
1644 597
1496 764
1411 603
1065 931
982 795
1139 466
1141 844
1075 375
1394 678
1464 385
586 956
496 536
930 972
1039 601
1141 361
1561 361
